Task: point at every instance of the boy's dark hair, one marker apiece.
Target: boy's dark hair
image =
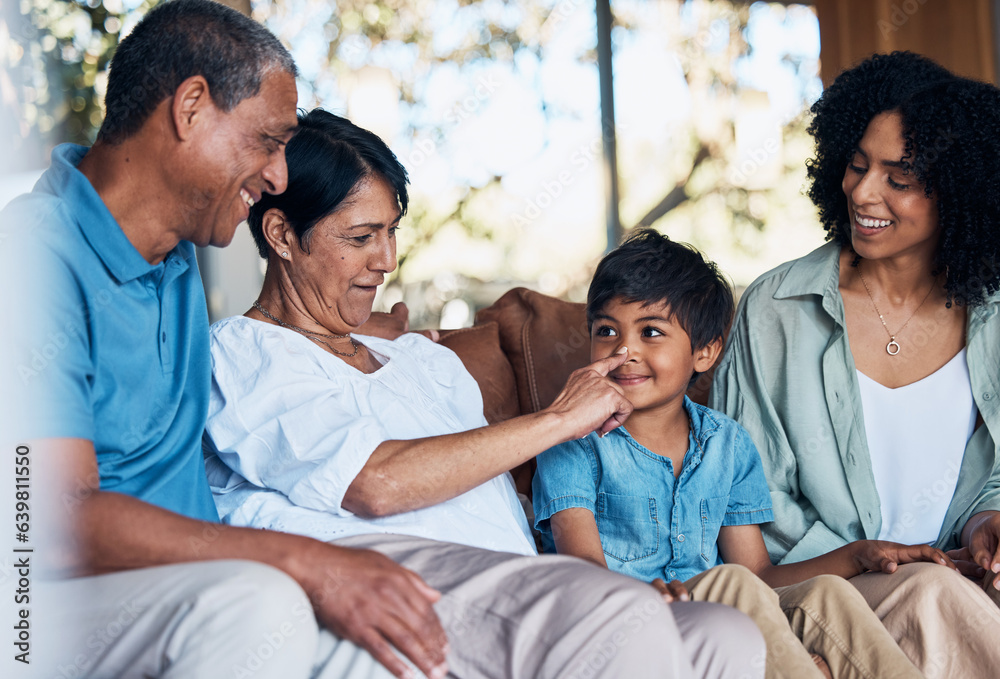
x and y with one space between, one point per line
650 268
328 158
180 39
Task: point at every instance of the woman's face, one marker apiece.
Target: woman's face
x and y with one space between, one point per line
890 215
350 252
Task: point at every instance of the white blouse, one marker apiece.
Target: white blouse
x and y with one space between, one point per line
917 435
290 426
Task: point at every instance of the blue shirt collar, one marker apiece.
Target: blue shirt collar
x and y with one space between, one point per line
703 424
92 216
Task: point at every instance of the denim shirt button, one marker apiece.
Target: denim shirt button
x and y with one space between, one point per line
672 574
680 538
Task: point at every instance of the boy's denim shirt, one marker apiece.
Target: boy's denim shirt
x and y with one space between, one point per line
651 524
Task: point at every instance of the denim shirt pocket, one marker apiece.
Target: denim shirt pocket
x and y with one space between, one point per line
628 526
713 511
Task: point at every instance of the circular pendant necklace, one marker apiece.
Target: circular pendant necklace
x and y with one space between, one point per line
314 336
892 348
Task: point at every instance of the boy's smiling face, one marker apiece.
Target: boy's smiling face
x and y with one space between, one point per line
660 359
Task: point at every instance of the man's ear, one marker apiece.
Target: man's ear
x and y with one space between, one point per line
191 106
705 357
279 234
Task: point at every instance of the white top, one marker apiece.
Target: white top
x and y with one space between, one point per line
916 437
290 426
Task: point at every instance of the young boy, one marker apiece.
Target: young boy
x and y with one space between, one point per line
679 489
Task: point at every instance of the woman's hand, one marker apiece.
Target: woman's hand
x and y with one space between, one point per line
674 591
883 556
590 401
966 566
984 543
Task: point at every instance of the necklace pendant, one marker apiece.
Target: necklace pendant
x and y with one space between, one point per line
892 348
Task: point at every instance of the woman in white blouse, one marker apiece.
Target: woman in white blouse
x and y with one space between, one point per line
382 444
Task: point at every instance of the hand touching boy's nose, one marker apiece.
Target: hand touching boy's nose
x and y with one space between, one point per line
591 401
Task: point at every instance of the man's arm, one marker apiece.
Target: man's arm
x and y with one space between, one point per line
377 604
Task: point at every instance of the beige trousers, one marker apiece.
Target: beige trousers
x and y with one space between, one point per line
507 617
946 624
823 615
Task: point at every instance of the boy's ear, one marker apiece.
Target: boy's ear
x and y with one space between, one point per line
705 357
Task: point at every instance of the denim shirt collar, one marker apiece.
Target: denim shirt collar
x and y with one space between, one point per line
96 222
703 425
703 422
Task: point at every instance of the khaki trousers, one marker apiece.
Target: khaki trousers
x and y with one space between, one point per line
946 624
823 615
510 616
506 616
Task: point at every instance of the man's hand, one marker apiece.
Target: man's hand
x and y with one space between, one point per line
367 598
591 401
672 591
879 555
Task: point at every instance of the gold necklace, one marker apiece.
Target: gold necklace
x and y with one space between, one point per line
314 336
892 335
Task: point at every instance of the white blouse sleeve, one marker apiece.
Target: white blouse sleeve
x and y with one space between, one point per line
280 420
455 387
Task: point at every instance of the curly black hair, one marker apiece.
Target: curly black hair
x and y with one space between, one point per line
951 131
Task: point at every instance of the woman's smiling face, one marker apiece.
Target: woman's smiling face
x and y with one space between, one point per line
349 254
890 213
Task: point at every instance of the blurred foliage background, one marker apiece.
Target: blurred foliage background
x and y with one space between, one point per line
493 106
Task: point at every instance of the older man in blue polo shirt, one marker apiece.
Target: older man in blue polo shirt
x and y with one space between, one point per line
105 365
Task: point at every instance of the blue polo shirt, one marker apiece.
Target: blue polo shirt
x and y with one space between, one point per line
653 525
105 346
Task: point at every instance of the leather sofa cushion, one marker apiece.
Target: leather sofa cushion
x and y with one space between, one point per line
545 339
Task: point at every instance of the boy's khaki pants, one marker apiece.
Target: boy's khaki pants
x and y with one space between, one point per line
823 615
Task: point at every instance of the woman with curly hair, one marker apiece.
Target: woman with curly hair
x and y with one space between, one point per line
868 372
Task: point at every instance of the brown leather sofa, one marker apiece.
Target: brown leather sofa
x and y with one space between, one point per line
521 350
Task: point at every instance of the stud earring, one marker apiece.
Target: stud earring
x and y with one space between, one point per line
284 254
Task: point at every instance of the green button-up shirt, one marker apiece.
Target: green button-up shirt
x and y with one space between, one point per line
789 378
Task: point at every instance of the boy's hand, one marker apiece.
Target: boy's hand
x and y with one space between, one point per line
675 591
880 555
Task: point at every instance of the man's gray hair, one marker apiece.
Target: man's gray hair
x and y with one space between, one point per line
180 39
